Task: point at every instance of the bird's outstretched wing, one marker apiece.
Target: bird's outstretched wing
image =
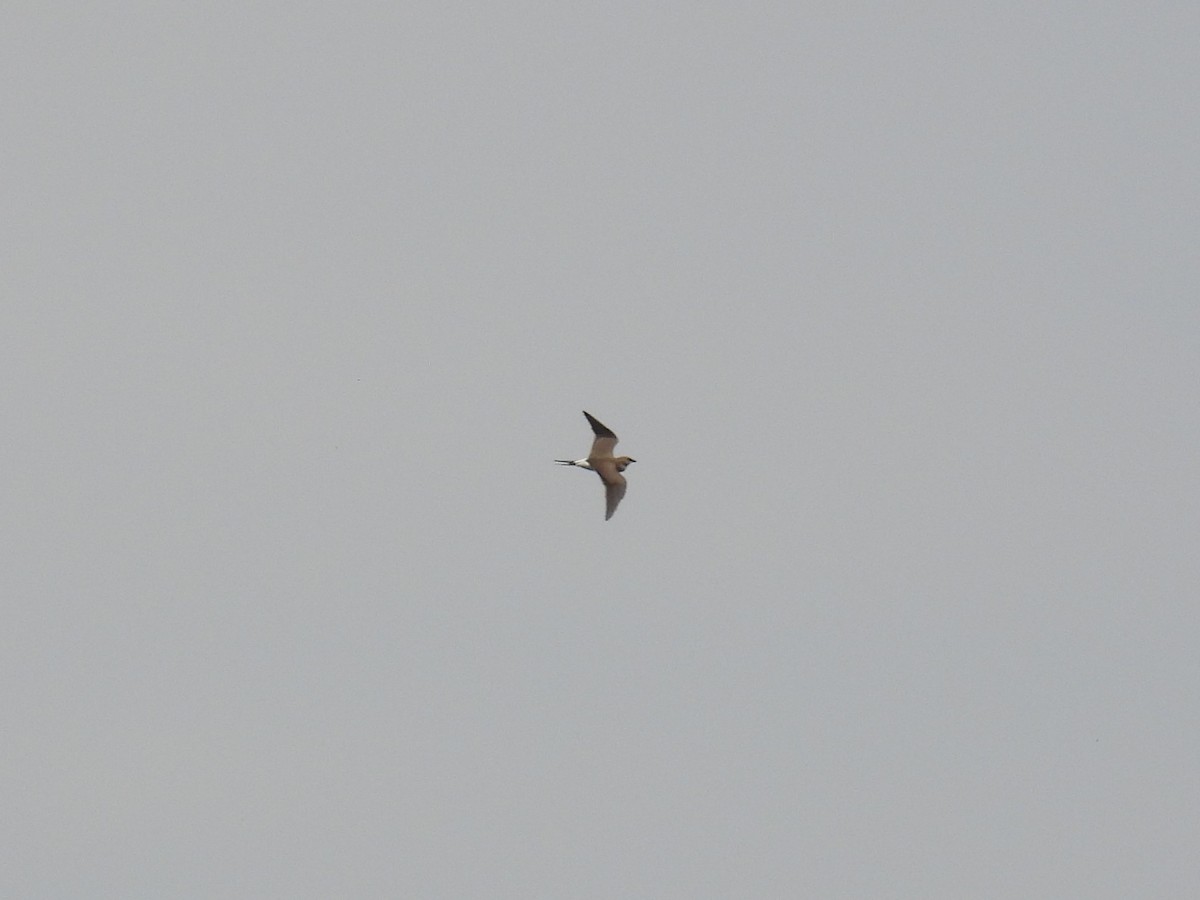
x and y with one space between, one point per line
614 486
605 442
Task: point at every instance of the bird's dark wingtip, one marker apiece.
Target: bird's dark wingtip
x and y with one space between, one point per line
598 427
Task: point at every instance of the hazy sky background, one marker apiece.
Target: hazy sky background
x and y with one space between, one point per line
897 306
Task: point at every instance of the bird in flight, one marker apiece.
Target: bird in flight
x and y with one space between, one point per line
603 463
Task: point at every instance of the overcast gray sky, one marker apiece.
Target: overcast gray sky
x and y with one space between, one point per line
896 305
